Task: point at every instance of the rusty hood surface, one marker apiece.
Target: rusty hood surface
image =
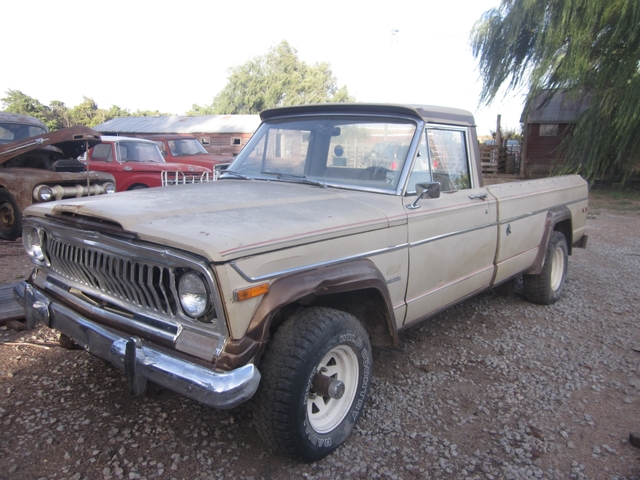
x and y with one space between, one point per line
230 219
70 142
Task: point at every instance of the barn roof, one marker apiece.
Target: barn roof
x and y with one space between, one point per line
182 124
561 108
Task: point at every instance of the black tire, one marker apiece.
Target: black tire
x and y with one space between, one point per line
138 187
547 286
10 216
66 342
288 415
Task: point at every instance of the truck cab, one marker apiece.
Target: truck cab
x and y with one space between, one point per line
187 149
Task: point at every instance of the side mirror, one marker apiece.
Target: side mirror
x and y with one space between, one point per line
428 189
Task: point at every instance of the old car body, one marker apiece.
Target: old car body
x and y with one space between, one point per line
137 163
279 277
40 166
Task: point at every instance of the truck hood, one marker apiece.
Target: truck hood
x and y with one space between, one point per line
71 142
237 218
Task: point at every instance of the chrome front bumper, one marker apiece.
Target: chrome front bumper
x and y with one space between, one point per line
140 361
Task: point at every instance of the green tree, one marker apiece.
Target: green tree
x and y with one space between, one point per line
57 115
582 48
60 117
275 79
87 113
18 102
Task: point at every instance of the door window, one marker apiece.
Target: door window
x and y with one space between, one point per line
448 158
102 153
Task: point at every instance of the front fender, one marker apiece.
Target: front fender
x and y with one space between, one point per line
350 276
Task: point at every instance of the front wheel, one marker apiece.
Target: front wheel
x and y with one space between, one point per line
315 380
547 286
10 216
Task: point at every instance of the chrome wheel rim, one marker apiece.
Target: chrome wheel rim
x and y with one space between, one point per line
7 216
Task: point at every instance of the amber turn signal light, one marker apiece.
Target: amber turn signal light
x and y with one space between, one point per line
251 292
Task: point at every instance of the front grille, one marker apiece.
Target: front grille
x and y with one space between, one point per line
135 282
180 178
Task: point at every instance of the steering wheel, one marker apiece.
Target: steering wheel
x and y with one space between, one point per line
375 173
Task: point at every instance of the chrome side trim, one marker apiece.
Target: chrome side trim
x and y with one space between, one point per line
453 234
311 266
269 276
538 212
140 360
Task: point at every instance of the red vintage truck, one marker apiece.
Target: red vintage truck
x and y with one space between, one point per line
137 163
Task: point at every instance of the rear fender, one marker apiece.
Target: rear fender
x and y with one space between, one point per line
554 216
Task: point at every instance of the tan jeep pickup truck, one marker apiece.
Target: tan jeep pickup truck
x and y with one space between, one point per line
275 281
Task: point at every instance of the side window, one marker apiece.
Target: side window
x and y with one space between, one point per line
162 147
281 150
449 159
421 172
102 153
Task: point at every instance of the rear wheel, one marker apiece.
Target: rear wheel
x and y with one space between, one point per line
547 286
315 379
10 216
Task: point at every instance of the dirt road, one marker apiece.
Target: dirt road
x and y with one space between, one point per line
493 388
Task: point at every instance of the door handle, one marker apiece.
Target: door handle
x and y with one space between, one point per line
481 196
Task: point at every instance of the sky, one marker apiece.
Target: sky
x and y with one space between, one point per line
168 56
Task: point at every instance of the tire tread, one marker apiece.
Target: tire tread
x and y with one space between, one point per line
280 368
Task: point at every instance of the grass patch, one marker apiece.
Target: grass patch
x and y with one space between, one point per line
622 198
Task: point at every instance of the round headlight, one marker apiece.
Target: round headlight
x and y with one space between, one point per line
44 193
109 188
33 244
194 297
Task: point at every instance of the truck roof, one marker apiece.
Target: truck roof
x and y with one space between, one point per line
428 113
118 138
167 136
7 117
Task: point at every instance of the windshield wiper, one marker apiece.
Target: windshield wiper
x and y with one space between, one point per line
234 173
293 177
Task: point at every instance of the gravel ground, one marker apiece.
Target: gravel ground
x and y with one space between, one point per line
493 388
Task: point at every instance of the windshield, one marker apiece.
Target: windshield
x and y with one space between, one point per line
341 151
10 132
186 146
139 152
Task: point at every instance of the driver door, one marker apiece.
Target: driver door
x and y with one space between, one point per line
452 239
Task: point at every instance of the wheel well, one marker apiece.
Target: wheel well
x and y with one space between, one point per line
564 227
137 186
367 305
